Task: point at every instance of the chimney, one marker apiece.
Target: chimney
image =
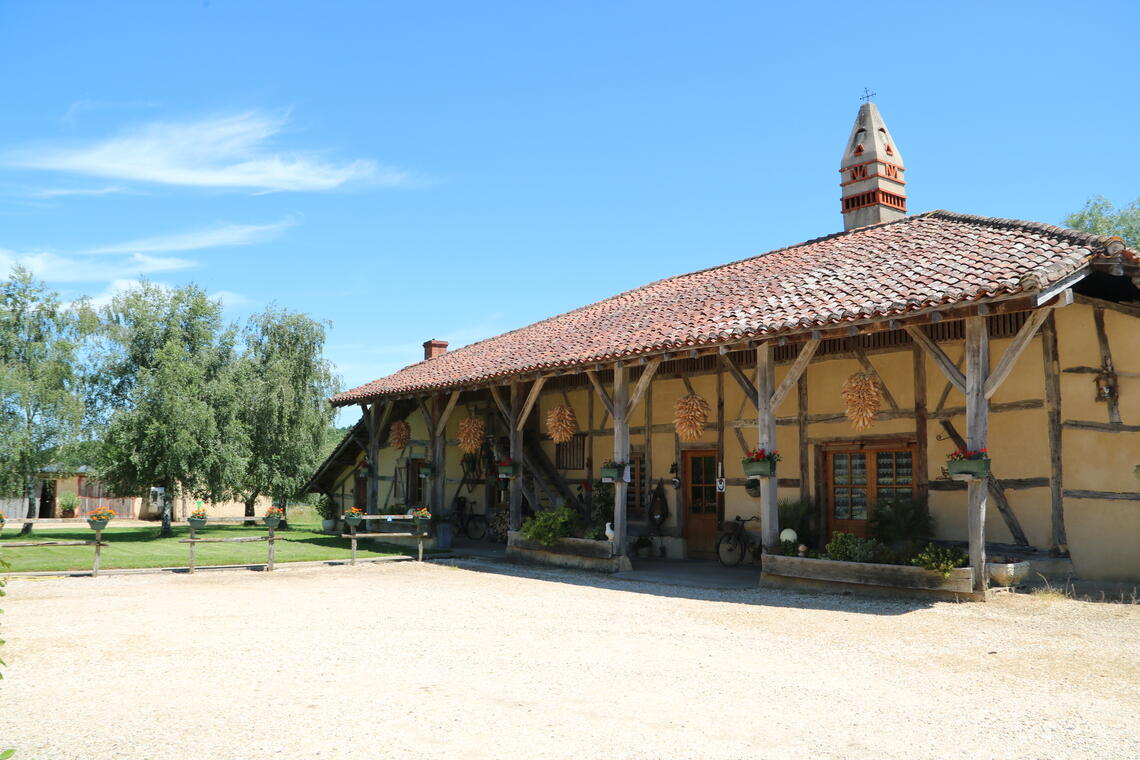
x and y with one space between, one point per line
434 348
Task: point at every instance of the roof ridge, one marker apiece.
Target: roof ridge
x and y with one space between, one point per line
1068 233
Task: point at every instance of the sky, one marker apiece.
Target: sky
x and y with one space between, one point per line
408 171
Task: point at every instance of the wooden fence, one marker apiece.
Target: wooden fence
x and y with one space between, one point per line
194 541
416 534
98 543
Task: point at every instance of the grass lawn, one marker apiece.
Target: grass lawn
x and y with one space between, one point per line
132 547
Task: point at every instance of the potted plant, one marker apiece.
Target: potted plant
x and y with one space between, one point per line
354 517
67 503
507 468
197 518
761 463
613 471
427 469
273 516
421 516
968 465
326 508
99 518
3 521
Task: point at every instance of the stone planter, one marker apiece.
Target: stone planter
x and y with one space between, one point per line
577 553
271 522
328 525
1007 573
825 574
765 468
353 522
968 469
197 523
98 524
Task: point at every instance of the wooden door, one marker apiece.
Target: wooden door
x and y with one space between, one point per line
701 502
859 478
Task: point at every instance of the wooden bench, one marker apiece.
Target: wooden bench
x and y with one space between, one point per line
352 535
194 541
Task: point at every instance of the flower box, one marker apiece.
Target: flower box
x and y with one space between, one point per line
98 524
423 525
271 522
351 521
578 553
427 470
968 469
197 523
613 474
826 574
765 468
507 471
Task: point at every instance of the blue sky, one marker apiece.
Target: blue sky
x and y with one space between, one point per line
454 170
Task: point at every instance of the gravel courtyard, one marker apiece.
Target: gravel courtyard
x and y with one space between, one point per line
480 660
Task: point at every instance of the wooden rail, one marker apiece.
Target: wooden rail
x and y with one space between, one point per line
98 543
352 535
194 541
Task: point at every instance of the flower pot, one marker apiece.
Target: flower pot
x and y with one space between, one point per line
1007 573
328 525
968 469
427 470
752 487
423 525
197 523
271 522
353 522
765 468
98 524
612 474
507 471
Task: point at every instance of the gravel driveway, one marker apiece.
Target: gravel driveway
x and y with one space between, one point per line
479 660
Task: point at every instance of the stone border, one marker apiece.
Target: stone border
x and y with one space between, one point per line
826 574
575 553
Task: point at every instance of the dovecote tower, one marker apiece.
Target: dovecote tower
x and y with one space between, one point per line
871 173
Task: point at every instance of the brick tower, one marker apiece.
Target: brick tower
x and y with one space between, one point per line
872 185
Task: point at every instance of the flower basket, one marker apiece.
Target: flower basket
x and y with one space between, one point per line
271 522
423 525
197 523
507 471
98 524
353 522
427 470
612 473
765 468
968 469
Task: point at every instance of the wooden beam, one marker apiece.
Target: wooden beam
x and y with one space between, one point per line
429 418
1106 361
643 384
1110 495
603 396
1102 427
498 399
516 454
802 435
740 378
620 404
977 432
766 439
922 440
531 398
935 352
794 372
869 368
1052 368
1015 350
1124 308
441 422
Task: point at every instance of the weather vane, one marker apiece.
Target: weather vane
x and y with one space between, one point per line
867 95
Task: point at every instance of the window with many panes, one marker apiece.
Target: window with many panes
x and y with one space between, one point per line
572 454
860 478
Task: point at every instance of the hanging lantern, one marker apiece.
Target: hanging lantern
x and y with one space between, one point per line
561 424
690 414
862 397
400 434
471 432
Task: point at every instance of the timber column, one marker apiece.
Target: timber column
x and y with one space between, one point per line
621 452
516 494
766 422
977 431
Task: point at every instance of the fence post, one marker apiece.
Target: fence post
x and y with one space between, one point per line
98 548
193 547
352 536
272 551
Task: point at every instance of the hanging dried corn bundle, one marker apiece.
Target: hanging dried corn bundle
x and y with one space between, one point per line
561 423
471 432
861 394
690 414
400 434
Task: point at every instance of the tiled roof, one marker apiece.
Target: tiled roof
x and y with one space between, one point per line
904 266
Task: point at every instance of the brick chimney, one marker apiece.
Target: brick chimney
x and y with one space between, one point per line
434 348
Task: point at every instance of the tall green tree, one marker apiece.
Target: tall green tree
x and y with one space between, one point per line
170 395
286 383
41 395
1100 217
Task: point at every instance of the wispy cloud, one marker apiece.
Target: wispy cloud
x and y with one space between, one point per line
115 287
229 153
59 192
211 237
87 105
56 267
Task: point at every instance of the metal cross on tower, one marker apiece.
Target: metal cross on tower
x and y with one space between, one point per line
867 95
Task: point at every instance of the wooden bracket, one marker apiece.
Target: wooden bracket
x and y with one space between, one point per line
935 352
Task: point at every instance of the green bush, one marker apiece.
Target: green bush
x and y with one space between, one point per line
940 559
800 516
903 525
548 526
845 547
789 548
67 501
325 507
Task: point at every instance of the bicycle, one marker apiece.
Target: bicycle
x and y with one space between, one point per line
736 542
466 522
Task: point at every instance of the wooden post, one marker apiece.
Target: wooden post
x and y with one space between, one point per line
193 547
1052 365
977 431
439 455
98 547
516 454
272 550
766 422
621 453
352 538
802 433
921 454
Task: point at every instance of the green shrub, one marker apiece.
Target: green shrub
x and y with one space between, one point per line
800 516
903 525
940 559
67 501
548 526
790 548
845 547
325 507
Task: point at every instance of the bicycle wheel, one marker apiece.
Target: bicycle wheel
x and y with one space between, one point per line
730 550
476 527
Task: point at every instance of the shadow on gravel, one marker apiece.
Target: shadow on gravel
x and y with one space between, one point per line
735 586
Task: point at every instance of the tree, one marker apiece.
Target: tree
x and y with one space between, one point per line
286 383
1100 217
170 395
41 398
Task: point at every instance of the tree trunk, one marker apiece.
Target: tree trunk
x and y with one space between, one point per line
250 509
30 492
165 503
284 515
